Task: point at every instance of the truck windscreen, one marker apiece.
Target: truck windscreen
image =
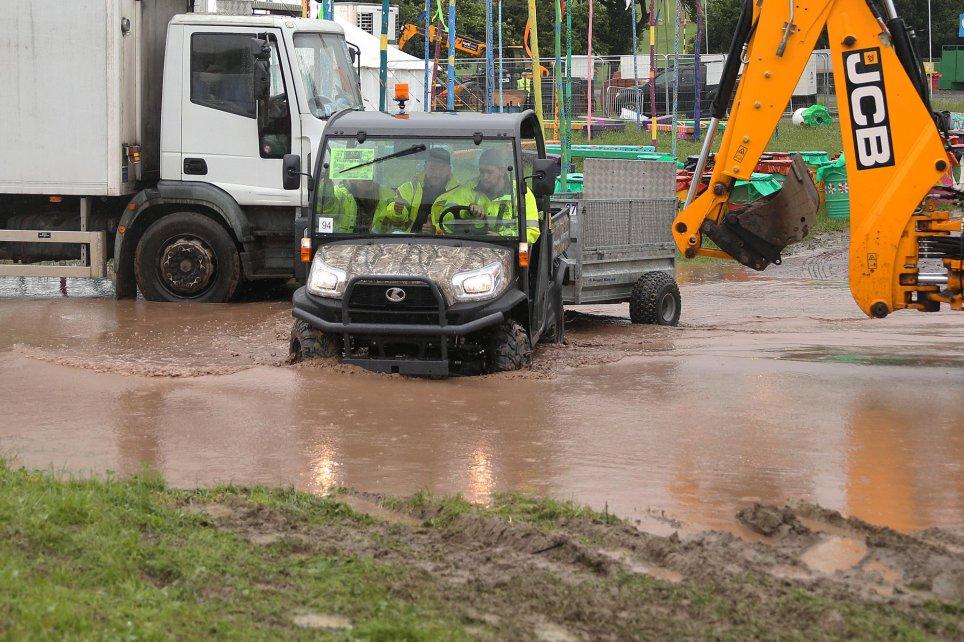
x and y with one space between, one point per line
443 186
327 73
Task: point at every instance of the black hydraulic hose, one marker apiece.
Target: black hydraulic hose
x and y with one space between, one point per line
906 52
731 70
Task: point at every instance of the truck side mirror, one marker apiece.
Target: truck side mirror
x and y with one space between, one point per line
261 69
291 171
545 171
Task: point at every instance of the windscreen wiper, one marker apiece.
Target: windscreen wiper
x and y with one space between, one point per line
414 149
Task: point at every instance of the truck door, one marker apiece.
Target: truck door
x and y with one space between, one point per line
230 138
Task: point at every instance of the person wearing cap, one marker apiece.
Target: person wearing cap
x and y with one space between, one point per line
418 199
490 201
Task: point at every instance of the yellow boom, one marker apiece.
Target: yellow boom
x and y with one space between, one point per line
894 152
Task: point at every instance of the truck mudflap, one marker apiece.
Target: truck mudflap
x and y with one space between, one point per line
756 236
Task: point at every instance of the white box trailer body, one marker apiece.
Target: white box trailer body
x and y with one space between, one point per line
127 122
79 92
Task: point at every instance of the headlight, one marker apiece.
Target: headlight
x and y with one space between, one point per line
479 284
324 280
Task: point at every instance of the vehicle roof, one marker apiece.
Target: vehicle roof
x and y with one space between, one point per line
421 124
269 21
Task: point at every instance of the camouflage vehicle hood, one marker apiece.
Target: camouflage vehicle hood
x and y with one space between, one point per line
435 261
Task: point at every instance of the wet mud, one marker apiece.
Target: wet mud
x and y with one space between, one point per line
584 578
773 388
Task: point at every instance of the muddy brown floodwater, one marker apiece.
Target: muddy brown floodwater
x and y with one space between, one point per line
773 388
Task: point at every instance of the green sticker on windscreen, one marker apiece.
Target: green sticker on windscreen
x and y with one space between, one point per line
344 164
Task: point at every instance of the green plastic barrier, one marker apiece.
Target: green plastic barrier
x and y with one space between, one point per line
815 158
759 186
620 152
836 187
573 184
817 116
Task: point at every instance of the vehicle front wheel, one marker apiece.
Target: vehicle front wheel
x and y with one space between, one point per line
187 257
509 348
655 300
309 343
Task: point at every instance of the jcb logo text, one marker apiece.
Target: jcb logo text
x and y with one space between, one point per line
869 115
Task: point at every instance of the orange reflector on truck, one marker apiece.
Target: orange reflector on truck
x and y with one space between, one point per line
306 250
523 255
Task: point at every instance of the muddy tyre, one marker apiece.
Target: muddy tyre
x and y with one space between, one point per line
309 343
509 348
187 257
655 300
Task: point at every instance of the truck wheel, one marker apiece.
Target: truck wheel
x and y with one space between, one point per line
309 343
509 348
187 257
655 300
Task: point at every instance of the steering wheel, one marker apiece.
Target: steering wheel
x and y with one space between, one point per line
457 224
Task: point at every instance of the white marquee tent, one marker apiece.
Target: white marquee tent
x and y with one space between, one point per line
401 68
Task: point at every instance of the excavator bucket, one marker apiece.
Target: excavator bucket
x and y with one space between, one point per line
756 235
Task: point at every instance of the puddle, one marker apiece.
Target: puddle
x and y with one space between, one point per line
743 402
834 554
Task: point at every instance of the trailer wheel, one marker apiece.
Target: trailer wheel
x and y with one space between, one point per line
309 343
187 257
655 300
509 348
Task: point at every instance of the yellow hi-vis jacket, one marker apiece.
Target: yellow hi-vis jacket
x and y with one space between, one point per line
387 220
499 218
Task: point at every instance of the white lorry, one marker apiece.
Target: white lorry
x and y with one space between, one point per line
141 131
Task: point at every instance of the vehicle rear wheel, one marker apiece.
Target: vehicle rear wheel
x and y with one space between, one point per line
509 348
655 300
310 343
187 257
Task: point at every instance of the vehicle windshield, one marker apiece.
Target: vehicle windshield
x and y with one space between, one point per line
417 186
327 73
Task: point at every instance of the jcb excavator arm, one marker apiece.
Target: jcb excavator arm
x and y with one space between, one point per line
468 46
894 153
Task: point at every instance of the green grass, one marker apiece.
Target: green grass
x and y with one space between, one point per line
787 138
119 560
108 559
508 506
948 103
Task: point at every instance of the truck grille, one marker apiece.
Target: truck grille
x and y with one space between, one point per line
373 296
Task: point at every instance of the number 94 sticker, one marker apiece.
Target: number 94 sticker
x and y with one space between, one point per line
326 226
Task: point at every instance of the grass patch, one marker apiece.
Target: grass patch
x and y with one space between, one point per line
133 559
512 507
786 138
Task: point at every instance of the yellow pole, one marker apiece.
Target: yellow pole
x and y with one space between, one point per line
304 8
652 61
536 65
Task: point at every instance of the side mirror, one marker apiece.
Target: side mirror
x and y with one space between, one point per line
261 69
545 171
291 171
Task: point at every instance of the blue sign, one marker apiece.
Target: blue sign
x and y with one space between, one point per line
960 26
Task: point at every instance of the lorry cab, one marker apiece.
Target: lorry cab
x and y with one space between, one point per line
220 126
432 244
240 93
167 157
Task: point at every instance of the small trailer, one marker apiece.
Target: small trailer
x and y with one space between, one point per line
621 241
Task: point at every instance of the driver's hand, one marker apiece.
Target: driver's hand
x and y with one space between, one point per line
427 228
477 210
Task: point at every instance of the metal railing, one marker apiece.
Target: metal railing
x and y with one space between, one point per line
616 93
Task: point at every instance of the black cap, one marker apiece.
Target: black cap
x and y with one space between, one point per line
492 158
440 154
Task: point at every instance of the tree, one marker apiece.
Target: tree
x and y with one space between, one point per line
724 14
